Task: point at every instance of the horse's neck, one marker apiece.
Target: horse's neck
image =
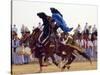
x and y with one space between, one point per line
35 35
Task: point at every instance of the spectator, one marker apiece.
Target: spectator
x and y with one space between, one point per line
90 31
87 45
79 41
89 49
26 29
14 29
94 29
26 45
94 45
78 29
86 28
23 29
16 58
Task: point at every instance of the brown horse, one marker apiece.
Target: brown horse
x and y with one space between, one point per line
65 51
49 49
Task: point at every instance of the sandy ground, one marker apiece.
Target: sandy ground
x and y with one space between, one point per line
34 68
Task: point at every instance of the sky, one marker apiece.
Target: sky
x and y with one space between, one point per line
25 12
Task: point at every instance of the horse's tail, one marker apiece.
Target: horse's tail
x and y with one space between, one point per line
84 55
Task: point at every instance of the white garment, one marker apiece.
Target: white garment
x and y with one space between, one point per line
90 30
15 44
90 44
26 29
95 43
23 28
14 29
94 29
83 43
79 42
78 29
86 27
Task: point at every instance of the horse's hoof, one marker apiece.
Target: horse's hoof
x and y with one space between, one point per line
62 69
68 67
90 62
59 66
38 72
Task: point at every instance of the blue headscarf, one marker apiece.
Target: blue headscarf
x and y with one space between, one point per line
58 17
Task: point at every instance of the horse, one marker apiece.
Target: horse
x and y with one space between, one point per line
49 50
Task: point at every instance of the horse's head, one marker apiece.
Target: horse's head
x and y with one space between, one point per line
34 36
36 32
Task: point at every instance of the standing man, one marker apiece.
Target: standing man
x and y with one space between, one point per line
14 29
16 58
94 29
86 28
26 45
22 29
78 29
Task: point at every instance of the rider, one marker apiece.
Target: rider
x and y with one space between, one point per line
58 17
44 35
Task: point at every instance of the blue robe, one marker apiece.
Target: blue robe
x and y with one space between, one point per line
60 22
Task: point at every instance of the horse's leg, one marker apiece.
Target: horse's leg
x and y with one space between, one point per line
40 63
54 61
70 60
63 59
40 57
85 56
45 60
31 57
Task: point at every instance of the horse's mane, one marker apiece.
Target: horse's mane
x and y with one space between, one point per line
36 29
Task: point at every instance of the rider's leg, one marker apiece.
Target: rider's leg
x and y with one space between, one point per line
70 60
54 61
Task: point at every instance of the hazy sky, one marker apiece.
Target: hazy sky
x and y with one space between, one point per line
24 12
